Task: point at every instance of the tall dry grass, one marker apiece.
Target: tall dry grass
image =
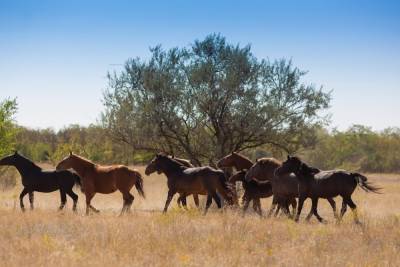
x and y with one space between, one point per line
146 237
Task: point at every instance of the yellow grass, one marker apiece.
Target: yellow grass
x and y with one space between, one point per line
46 237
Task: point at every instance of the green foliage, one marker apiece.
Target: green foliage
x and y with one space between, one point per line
358 148
8 132
8 129
209 99
92 142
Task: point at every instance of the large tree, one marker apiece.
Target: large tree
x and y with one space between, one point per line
209 99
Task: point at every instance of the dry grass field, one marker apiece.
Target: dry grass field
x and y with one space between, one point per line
146 237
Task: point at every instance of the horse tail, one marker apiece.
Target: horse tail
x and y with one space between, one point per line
226 189
139 184
363 183
77 180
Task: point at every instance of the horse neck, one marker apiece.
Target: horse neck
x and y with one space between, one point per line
305 173
81 166
170 167
25 166
242 162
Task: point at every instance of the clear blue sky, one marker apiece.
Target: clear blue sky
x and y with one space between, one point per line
54 55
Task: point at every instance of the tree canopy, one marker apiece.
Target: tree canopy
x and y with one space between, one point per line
211 98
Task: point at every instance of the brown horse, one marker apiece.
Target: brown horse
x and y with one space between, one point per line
254 190
186 181
284 187
236 160
104 179
182 198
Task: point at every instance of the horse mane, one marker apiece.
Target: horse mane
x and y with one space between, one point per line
176 165
84 159
270 161
183 162
308 169
29 163
241 156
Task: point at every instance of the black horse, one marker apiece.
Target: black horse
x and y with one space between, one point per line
325 184
35 178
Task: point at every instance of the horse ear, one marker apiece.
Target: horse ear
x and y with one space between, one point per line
70 152
256 159
288 156
15 152
173 156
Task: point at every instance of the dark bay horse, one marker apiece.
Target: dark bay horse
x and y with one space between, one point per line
325 184
104 179
284 187
187 181
182 198
36 179
253 191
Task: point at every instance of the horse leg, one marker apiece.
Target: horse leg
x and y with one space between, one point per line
21 197
208 203
89 196
258 205
196 200
315 209
273 206
184 203
254 205
93 208
169 198
128 200
63 199
285 207
353 207
299 208
31 198
344 208
179 201
333 205
217 199
74 197
278 208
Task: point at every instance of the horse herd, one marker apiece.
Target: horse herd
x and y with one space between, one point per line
289 183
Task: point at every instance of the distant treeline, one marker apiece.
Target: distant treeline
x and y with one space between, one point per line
48 145
358 148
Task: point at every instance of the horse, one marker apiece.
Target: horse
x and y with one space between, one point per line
284 187
254 190
34 178
325 184
104 180
182 199
240 163
185 181
236 160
